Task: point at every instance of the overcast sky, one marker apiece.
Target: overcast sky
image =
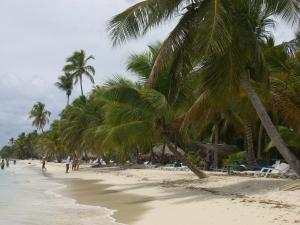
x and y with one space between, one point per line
36 36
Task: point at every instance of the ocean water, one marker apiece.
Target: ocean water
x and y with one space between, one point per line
29 198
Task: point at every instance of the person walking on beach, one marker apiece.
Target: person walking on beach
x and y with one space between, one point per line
7 162
68 164
44 163
15 162
2 164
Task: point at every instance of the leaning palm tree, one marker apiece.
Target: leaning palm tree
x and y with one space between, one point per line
223 39
137 116
39 115
65 83
78 67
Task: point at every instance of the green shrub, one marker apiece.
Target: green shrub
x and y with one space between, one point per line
238 156
192 157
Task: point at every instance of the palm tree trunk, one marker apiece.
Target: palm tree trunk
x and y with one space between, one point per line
216 142
182 157
162 159
81 86
269 126
249 142
259 142
137 154
68 100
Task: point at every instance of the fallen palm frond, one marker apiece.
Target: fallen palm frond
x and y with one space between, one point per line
291 186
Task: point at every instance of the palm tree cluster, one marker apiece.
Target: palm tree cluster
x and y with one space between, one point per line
221 41
218 78
23 147
76 68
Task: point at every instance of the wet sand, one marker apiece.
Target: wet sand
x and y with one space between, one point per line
129 207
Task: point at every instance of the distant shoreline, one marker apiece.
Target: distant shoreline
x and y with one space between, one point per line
153 196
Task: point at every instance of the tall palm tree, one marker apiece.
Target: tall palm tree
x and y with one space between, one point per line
65 83
223 38
11 141
39 115
78 67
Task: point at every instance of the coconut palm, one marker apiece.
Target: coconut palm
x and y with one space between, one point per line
50 143
223 37
79 122
39 115
65 83
78 67
11 141
137 116
285 82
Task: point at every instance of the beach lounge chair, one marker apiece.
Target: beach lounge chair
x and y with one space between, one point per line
102 162
279 170
98 163
175 167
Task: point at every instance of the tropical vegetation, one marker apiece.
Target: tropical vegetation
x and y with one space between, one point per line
218 79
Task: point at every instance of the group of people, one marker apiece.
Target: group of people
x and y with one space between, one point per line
3 163
74 161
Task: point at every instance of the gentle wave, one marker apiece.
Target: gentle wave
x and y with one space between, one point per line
27 198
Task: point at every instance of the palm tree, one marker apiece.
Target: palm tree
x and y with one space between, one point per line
137 116
51 142
79 122
78 67
39 115
221 38
11 141
65 83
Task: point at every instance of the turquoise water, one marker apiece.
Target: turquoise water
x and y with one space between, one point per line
29 198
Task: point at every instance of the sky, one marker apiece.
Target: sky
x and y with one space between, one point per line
36 36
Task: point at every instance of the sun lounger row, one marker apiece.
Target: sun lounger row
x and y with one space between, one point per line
278 170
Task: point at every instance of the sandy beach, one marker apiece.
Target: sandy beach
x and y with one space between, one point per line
155 196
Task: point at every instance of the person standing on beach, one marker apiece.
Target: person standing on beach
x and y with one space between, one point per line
2 164
7 162
209 159
74 160
77 164
68 164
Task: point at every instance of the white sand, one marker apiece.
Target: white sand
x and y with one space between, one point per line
179 198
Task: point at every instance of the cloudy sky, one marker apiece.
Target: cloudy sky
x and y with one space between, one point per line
35 38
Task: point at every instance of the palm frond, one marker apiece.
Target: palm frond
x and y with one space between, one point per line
128 134
139 18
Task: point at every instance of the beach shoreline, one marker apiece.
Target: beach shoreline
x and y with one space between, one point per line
154 196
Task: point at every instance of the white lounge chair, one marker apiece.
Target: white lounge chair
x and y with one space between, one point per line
278 170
